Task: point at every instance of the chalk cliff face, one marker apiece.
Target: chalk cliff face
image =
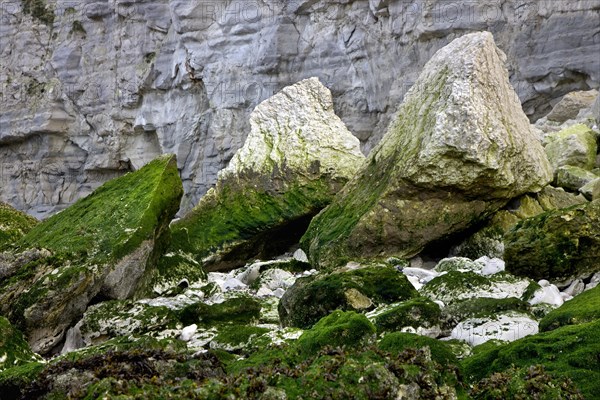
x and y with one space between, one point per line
92 89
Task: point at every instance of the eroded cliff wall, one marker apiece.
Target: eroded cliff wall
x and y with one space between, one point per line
92 89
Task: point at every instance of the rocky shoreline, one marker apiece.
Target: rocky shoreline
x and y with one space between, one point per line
460 259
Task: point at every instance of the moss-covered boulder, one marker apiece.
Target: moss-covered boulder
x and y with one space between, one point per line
337 329
124 318
240 310
459 149
556 245
104 246
480 307
397 342
567 352
575 145
551 198
456 286
14 224
585 307
488 240
311 298
420 315
297 156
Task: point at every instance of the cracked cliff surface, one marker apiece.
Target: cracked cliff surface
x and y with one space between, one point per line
92 89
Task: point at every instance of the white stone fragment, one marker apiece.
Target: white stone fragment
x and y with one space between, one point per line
300 255
249 274
233 284
188 332
264 292
576 287
548 294
424 275
491 266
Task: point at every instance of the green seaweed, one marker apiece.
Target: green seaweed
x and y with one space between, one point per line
585 307
567 352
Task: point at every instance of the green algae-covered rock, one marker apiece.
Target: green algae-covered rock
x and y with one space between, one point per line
585 307
124 318
314 297
481 307
14 225
556 245
459 148
240 310
575 145
457 286
337 329
421 314
297 156
397 342
573 178
488 240
551 198
567 352
14 350
105 245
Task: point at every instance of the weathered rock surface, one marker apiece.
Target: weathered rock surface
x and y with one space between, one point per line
591 190
488 240
557 245
459 149
298 155
14 224
574 146
568 107
314 297
573 178
104 245
106 85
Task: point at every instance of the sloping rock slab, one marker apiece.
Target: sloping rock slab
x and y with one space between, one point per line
103 246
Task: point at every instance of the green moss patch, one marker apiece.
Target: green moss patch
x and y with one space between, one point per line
481 307
567 352
13 381
585 307
524 383
14 350
419 312
239 310
236 224
555 245
314 297
337 329
14 225
117 217
397 342
457 286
